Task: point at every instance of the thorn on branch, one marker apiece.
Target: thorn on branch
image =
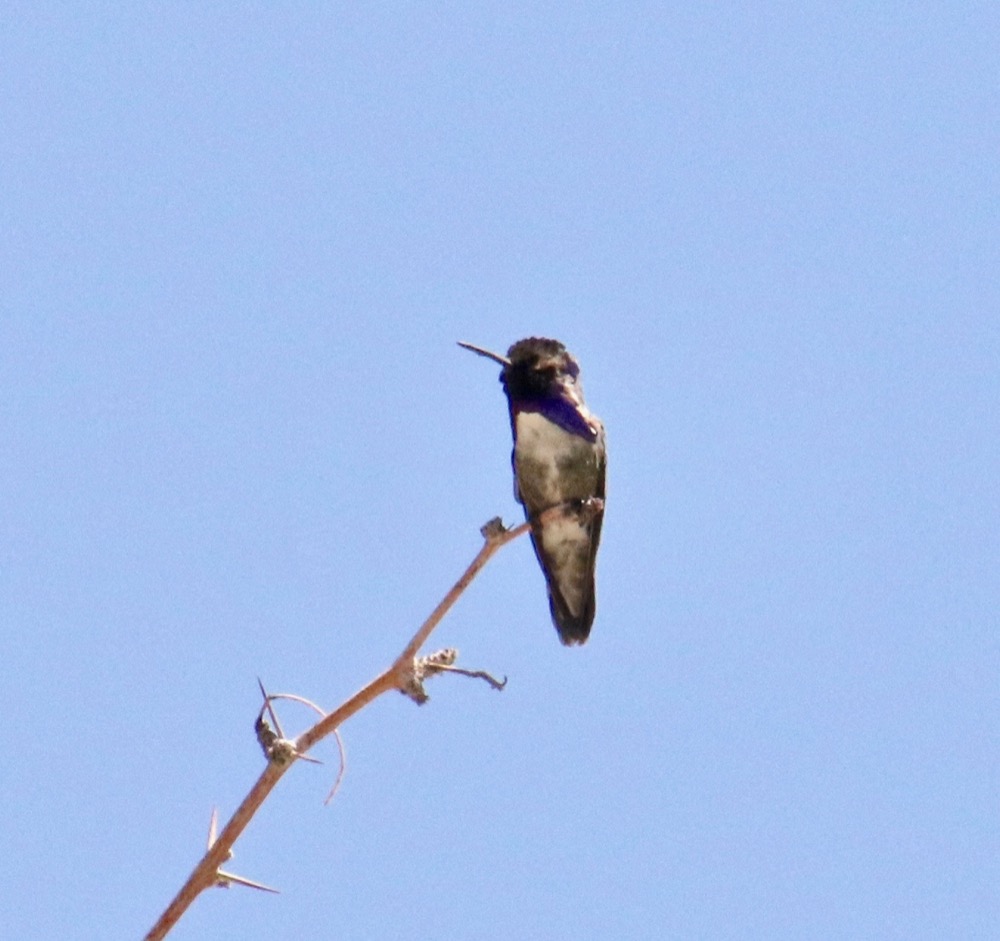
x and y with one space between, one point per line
270 710
223 879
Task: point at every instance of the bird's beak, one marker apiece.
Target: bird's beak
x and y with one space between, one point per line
496 357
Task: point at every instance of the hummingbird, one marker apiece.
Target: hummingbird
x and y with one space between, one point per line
559 459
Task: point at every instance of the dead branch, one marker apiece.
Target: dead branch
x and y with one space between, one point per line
282 753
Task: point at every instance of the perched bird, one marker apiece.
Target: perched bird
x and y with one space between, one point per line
559 459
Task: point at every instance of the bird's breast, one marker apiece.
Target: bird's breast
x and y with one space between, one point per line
552 465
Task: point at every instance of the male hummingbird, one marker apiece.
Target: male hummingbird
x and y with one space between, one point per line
559 459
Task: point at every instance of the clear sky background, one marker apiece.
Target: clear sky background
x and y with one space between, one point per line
238 243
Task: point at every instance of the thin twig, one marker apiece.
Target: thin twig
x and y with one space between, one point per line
474 674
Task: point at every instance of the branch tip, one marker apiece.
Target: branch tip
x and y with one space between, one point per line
493 529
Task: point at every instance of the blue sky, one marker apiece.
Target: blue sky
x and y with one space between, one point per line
239 243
